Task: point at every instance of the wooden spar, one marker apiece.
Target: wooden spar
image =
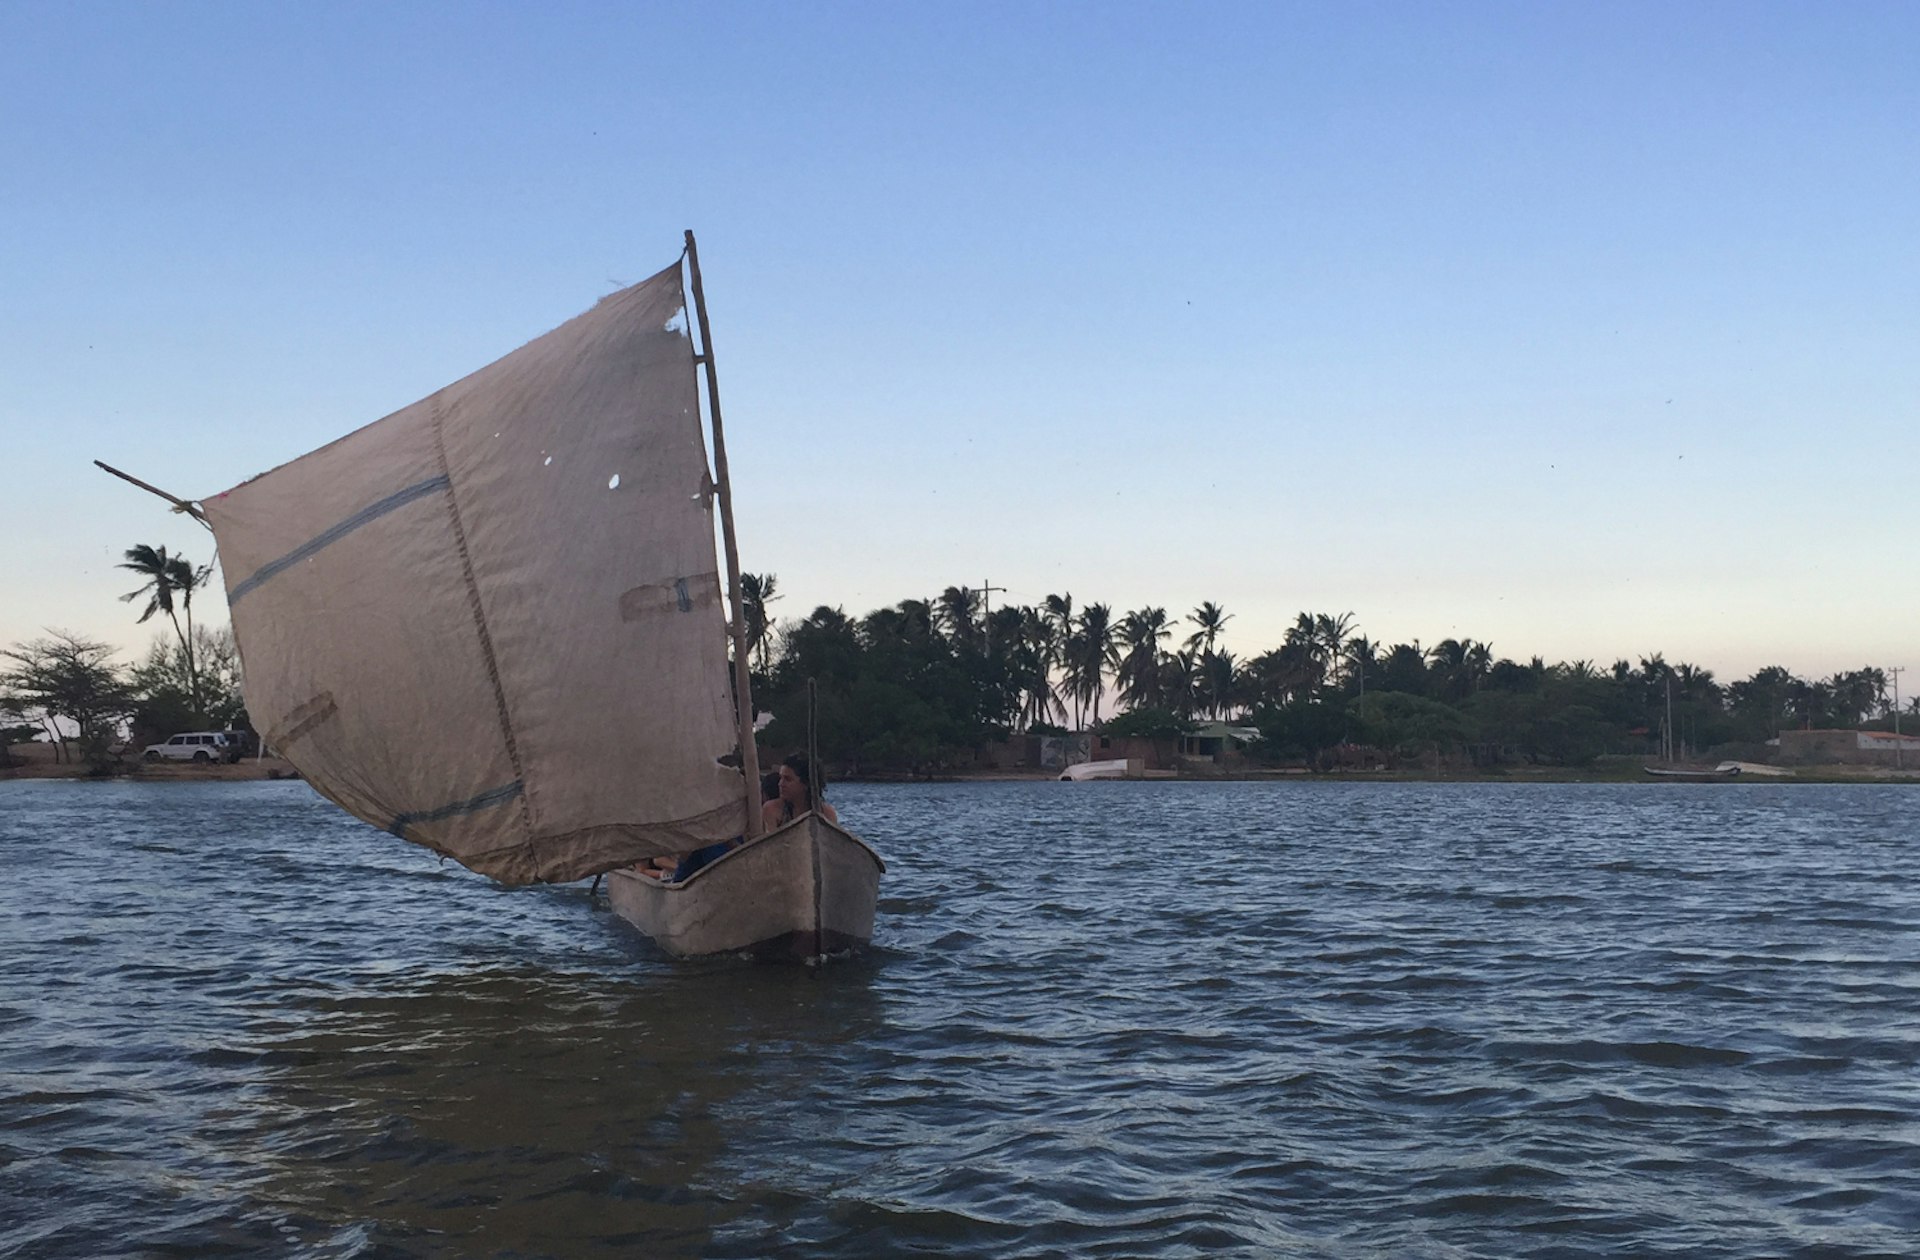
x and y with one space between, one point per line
742 681
179 504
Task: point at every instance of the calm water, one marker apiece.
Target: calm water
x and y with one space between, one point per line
1155 1020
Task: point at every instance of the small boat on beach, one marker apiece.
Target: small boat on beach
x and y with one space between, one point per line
492 624
1725 770
1115 769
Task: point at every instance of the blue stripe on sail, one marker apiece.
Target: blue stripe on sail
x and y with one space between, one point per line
486 800
372 512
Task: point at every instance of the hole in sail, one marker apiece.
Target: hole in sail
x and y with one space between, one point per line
678 324
613 482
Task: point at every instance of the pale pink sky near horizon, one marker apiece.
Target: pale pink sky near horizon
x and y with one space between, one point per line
1584 331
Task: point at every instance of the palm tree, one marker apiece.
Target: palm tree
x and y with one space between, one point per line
1211 620
1180 681
1333 632
1035 650
1404 668
1223 677
918 617
1305 651
1058 609
1362 654
1138 675
958 609
1460 665
1090 654
169 577
1479 663
1857 693
756 592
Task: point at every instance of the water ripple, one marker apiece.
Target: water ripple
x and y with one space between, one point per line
1158 1020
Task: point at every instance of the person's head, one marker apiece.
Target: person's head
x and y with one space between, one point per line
770 786
795 782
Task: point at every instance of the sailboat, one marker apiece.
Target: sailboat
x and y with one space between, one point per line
491 624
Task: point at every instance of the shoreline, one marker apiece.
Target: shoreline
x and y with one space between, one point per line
270 769
35 761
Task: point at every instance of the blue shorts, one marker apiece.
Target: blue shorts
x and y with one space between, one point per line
700 857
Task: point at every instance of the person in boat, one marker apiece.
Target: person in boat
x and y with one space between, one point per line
796 795
675 867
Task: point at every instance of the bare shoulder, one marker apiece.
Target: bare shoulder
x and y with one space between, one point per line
832 814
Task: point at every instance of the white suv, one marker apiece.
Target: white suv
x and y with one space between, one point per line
194 746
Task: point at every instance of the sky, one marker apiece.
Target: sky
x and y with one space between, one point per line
1587 331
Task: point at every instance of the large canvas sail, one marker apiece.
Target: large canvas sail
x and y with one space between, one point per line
491 622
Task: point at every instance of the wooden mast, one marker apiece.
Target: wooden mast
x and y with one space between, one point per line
742 681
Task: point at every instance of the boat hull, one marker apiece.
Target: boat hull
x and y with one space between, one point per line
801 892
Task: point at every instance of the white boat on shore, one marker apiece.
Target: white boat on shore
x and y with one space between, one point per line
801 893
1116 769
1725 770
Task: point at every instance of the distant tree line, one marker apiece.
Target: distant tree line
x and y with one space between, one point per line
923 683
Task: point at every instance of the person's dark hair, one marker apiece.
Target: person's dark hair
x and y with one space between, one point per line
770 786
799 765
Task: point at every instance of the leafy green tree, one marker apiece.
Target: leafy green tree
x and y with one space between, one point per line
1506 675
1146 723
1760 705
1404 669
163 684
1410 726
891 693
1307 728
66 678
14 728
1536 726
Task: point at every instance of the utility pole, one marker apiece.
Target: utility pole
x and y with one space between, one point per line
1669 719
1899 760
987 588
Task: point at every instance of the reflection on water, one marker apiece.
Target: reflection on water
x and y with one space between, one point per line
1126 1019
537 1112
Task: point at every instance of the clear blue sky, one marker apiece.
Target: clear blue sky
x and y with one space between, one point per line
1585 330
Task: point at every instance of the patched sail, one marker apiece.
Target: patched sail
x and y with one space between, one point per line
491 623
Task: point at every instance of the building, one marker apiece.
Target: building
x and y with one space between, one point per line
1849 748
